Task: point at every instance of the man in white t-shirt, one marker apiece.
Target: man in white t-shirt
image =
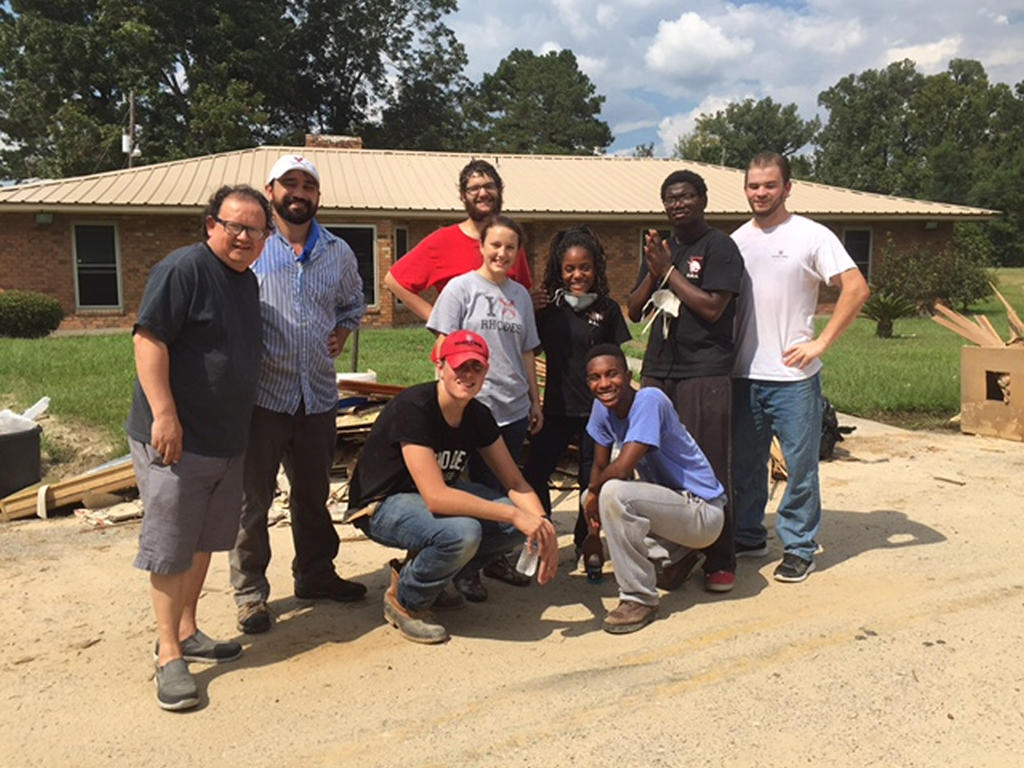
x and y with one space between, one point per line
777 388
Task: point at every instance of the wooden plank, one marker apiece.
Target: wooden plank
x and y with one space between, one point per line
119 477
984 322
369 388
967 333
1016 324
957 318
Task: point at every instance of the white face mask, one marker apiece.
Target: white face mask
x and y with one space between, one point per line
575 301
663 302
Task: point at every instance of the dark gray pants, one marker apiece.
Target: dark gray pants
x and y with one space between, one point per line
305 444
704 405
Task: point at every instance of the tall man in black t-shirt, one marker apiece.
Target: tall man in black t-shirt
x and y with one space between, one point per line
197 352
691 282
405 490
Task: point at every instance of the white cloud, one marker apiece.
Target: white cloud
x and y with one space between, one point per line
657 61
591 66
547 47
607 15
674 127
930 57
690 47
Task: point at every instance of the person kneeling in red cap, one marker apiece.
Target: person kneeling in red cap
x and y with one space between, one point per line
406 493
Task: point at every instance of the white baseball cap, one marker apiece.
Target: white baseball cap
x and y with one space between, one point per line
292 163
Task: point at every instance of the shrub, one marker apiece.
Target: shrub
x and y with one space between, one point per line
956 275
886 306
28 315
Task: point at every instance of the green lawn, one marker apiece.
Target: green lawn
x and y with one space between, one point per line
912 379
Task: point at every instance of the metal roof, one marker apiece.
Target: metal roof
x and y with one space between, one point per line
415 184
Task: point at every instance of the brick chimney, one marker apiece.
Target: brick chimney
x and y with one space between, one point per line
324 140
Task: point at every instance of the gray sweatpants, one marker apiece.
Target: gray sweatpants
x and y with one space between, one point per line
635 515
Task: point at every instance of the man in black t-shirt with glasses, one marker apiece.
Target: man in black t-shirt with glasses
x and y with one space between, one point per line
405 490
691 282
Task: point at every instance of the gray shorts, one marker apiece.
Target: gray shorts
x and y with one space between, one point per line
192 506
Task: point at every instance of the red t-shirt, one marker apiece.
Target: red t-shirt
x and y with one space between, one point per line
444 254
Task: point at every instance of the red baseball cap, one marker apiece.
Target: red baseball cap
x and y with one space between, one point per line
459 347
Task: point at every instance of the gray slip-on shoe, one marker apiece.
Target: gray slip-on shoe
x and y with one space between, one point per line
175 687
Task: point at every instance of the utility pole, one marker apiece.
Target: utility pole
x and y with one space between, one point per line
131 126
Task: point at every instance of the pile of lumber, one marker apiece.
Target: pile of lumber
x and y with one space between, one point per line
980 331
41 499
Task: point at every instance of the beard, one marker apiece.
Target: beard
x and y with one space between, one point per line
283 208
478 215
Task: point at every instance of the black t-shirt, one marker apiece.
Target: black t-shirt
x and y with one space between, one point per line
695 347
208 315
567 336
414 416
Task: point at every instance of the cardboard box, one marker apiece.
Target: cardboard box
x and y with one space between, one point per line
992 391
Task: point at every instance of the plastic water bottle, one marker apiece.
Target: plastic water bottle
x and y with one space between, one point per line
593 558
528 558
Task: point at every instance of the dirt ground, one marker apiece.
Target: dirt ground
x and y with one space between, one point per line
903 649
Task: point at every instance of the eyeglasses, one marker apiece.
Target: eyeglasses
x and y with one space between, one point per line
235 229
685 197
489 187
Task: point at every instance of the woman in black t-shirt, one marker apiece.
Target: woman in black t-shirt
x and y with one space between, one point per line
574 312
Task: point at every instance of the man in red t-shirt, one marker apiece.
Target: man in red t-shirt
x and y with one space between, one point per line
453 250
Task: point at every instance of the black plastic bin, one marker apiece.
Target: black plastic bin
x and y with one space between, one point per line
19 460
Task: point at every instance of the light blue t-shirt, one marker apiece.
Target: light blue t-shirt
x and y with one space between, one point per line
673 459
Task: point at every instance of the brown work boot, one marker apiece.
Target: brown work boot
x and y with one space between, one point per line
418 626
629 616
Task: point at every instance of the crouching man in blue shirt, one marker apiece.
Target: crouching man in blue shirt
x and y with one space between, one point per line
677 502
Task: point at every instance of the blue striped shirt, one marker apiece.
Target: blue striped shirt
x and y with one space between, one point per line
301 302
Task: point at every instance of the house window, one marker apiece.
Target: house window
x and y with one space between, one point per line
362 240
401 242
858 245
97 266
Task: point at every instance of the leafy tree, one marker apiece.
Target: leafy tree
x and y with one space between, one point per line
425 109
869 141
209 77
348 50
644 150
733 135
66 69
952 136
540 104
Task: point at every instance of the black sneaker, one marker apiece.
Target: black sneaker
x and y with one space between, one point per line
175 688
333 588
752 550
793 568
254 618
470 586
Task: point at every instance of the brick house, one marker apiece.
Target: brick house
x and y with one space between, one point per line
90 241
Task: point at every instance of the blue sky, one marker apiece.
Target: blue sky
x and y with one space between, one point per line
660 63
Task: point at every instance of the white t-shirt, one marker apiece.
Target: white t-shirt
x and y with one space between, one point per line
785 266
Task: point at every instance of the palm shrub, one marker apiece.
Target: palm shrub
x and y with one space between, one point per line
885 307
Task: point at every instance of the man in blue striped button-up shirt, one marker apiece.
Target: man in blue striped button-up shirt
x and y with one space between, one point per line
311 299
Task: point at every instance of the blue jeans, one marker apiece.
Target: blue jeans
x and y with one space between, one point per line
444 545
791 410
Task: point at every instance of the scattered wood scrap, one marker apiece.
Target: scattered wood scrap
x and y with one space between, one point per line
41 499
981 331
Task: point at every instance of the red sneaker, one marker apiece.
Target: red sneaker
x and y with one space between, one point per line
719 581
